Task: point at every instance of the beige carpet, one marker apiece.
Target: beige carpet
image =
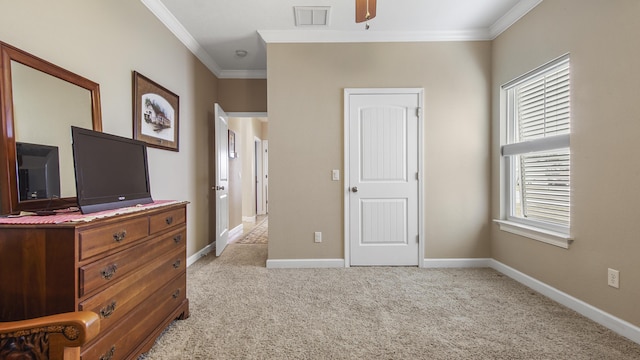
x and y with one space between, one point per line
258 235
241 310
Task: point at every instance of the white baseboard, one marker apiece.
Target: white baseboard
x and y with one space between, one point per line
457 263
304 263
235 232
607 320
205 250
249 218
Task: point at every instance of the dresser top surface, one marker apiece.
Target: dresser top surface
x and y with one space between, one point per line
76 218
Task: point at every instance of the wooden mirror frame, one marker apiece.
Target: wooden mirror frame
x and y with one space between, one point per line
9 198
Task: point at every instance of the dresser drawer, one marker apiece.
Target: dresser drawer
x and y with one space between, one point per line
105 238
110 269
167 219
118 300
131 331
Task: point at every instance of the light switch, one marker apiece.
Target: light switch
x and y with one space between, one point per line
335 175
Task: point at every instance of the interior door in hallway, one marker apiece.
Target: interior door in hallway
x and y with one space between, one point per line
220 186
383 171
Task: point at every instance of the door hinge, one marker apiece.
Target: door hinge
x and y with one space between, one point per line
418 109
417 176
418 239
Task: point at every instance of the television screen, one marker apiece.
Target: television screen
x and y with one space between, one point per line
111 171
38 171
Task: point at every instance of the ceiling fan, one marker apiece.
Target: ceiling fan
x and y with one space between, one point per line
365 11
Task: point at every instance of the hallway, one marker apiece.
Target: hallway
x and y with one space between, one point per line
247 227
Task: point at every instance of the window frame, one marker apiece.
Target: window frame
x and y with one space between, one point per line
550 233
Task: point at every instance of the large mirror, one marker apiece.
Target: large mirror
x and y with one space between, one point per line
39 103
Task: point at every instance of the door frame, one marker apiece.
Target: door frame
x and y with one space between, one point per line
347 224
257 114
258 178
265 176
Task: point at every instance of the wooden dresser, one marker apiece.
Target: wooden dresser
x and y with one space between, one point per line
130 269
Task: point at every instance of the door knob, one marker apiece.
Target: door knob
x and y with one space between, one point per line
354 189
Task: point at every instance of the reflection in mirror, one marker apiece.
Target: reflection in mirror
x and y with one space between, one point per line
39 102
38 171
44 109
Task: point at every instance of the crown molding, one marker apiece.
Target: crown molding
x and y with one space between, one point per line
513 15
166 17
331 36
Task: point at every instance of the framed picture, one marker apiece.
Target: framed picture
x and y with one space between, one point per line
155 114
232 145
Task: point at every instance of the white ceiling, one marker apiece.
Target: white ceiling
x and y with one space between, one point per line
214 29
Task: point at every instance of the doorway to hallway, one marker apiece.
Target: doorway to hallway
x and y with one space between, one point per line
248 174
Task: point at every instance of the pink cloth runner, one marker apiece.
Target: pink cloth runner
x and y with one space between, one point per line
79 217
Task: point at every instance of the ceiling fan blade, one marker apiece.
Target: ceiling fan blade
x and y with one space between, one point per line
363 7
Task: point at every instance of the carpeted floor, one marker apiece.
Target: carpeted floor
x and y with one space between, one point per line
258 235
241 310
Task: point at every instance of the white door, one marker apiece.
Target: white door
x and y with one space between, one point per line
221 187
383 187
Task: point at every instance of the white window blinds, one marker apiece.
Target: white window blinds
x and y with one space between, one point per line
544 183
538 157
543 106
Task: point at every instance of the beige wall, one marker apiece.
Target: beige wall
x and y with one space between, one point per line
105 41
602 38
235 176
243 95
305 87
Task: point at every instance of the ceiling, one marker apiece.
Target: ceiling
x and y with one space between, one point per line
214 29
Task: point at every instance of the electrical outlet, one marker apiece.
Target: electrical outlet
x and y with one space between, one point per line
613 277
317 237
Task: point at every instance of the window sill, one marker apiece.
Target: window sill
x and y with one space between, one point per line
546 236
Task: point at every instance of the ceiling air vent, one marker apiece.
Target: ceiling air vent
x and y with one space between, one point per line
312 15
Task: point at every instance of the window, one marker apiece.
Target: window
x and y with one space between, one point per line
537 196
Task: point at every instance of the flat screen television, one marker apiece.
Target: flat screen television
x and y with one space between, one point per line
111 171
38 171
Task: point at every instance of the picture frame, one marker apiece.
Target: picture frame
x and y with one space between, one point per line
232 145
155 114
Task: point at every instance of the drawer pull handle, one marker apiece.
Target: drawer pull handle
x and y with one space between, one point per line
108 272
119 236
108 310
176 294
177 238
169 220
176 264
109 354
